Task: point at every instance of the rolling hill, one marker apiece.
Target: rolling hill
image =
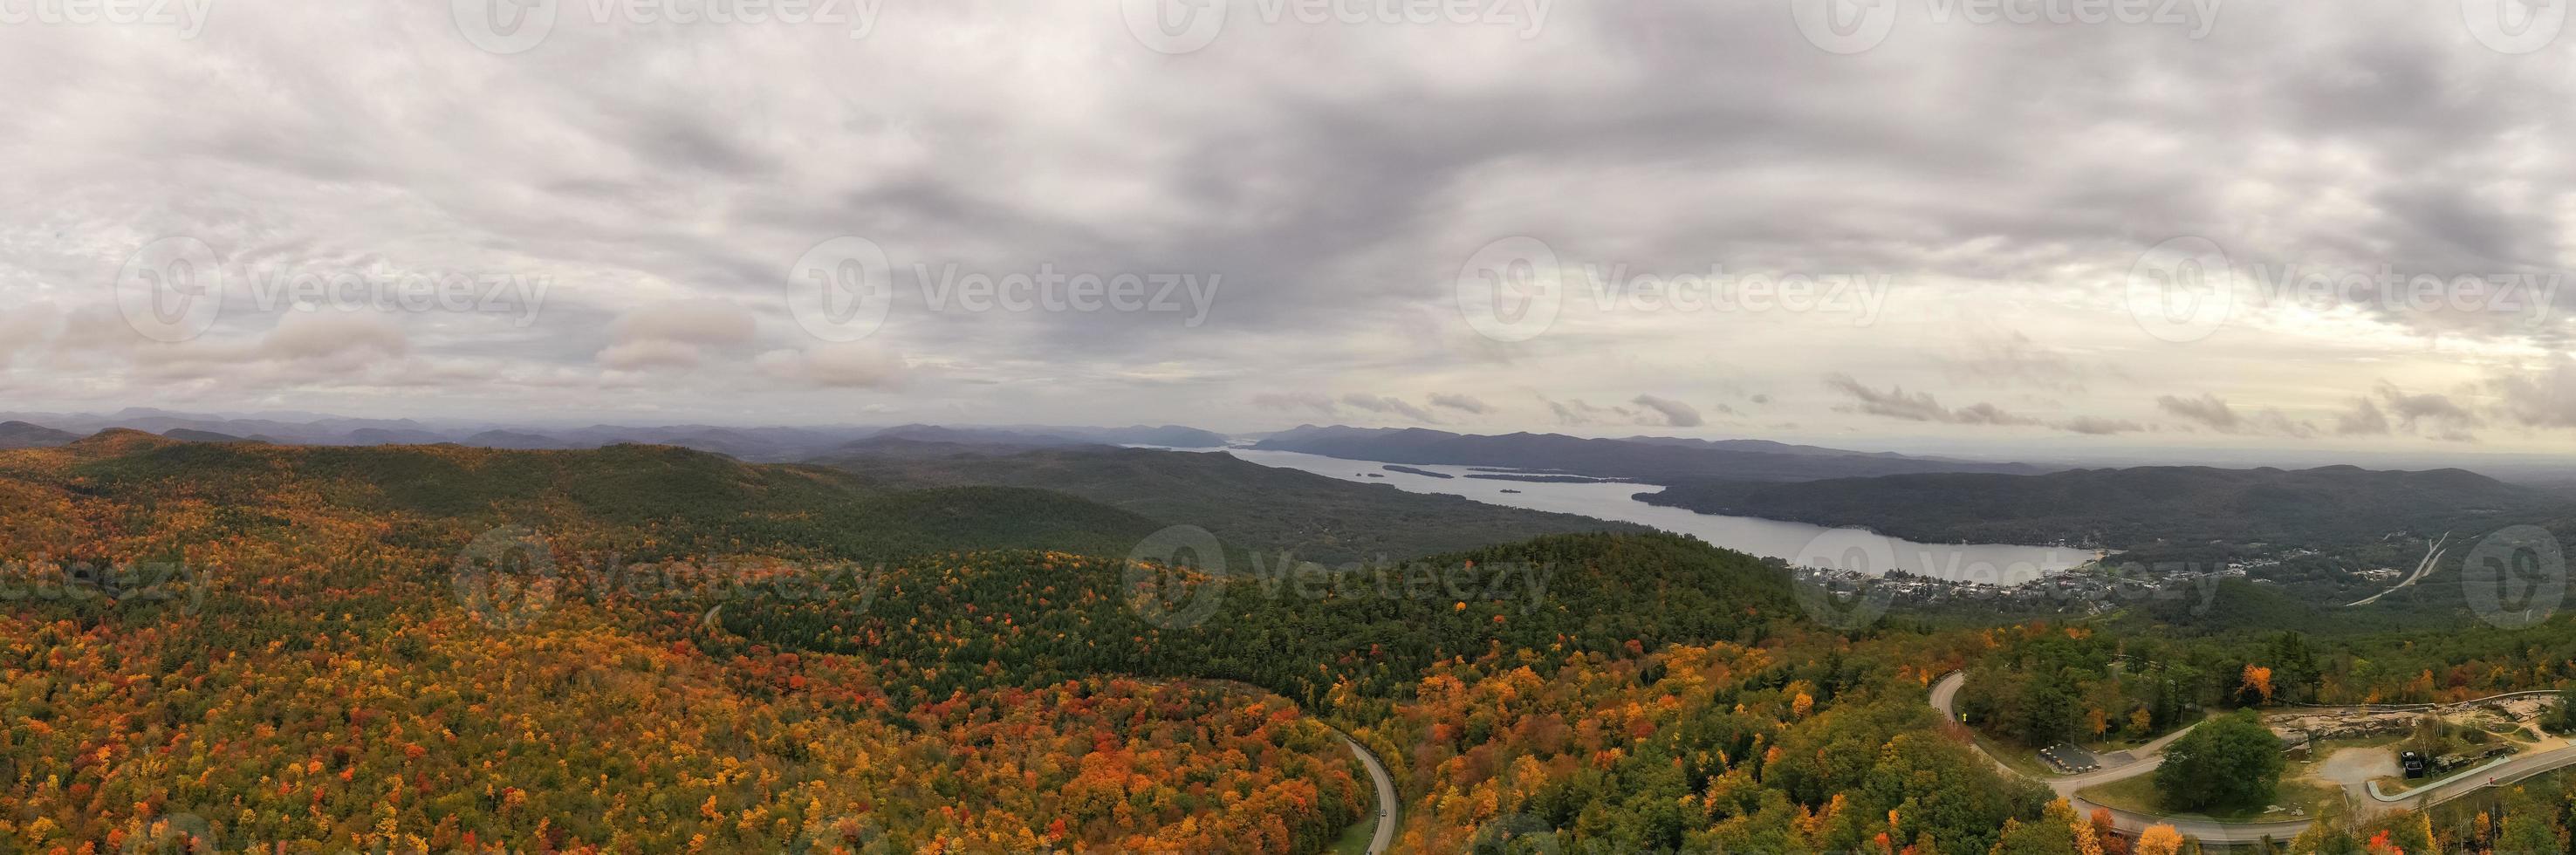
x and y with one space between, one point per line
336 622
1243 503
635 500
23 435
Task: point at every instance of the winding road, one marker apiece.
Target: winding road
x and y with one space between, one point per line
1945 696
1386 804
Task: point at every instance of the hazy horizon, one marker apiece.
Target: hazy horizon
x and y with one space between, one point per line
2507 465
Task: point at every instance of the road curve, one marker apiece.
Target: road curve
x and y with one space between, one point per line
1386 802
1388 805
1945 697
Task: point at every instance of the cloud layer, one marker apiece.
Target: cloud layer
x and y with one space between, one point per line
1279 225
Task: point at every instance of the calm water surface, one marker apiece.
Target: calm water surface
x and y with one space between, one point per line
1798 543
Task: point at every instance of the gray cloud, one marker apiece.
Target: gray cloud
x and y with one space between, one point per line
1673 413
1896 403
2540 398
1461 403
646 166
1317 404
2364 419
1575 413
2430 414
837 366
2097 426
2210 411
1387 404
2011 358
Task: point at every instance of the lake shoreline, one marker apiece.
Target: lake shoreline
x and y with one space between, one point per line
1800 544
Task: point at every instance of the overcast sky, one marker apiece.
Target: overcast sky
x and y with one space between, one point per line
1911 222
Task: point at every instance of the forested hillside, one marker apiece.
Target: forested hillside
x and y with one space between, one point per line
1314 517
644 649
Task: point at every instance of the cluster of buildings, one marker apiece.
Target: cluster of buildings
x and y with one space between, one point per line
2092 589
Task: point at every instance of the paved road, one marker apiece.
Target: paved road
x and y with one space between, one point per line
2512 771
1945 696
1386 804
2432 556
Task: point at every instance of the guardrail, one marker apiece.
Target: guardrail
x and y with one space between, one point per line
2435 785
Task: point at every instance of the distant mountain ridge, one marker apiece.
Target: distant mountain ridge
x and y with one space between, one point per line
2133 506
1647 459
194 435
23 435
761 444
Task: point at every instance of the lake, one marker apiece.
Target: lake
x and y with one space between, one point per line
1797 543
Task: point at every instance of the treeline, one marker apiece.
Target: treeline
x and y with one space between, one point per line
1300 631
2045 684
